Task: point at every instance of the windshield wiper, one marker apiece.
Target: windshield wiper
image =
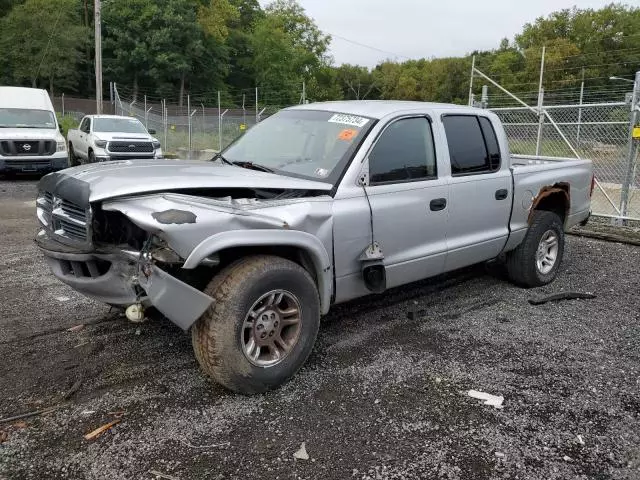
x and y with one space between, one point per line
253 166
222 159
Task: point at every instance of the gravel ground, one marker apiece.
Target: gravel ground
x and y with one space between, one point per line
383 395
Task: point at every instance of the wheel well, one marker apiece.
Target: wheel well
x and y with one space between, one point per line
553 199
295 254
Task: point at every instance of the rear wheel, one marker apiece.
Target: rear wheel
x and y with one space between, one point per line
537 259
262 325
73 160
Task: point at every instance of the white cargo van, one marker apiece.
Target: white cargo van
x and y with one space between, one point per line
30 138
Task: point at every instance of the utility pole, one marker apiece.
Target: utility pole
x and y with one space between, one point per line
98 35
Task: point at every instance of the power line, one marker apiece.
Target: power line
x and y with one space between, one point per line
369 46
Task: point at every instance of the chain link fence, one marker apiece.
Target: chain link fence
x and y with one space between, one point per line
599 132
193 131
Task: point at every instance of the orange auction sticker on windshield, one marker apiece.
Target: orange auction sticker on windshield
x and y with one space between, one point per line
347 134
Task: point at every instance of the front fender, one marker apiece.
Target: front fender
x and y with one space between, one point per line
267 237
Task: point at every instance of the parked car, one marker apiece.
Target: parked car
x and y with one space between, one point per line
101 138
30 138
316 205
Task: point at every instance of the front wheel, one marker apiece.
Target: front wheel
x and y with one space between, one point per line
92 157
73 160
261 326
537 259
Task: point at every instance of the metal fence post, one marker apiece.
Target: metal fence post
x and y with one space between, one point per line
63 104
484 100
219 124
473 68
189 123
633 147
580 110
540 103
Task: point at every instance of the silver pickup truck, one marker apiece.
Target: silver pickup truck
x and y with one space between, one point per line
317 205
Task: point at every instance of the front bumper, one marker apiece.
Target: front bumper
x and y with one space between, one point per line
116 277
104 155
34 164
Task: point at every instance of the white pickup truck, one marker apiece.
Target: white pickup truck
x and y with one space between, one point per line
101 138
316 205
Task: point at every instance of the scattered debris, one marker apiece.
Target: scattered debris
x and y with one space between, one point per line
376 401
163 475
81 345
74 388
63 299
580 439
118 414
489 399
99 431
19 425
4 436
561 296
438 380
567 458
301 454
88 412
77 328
500 455
35 413
138 331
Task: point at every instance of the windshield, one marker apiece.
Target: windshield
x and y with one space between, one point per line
26 118
311 144
120 125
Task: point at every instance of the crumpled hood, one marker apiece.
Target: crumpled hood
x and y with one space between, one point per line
30 134
95 182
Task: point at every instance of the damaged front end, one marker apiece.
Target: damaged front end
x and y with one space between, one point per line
161 249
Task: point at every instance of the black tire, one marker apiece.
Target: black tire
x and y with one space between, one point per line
73 160
522 265
92 157
217 336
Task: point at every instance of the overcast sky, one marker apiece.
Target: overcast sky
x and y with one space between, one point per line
425 28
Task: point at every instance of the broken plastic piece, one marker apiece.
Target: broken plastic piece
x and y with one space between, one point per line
301 454
561 296
489 399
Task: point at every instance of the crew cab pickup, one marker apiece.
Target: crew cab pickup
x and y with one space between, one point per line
101 138
316 205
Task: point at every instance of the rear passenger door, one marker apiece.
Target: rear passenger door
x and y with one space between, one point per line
408 200
480 191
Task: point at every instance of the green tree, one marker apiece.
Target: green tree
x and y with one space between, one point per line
42 42
288 48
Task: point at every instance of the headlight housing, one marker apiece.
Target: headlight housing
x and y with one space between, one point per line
101 143
156 144
61 146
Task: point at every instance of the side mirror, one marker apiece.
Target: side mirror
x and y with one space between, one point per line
61 129
152 131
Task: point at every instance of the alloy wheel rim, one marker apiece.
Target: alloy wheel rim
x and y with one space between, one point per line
271 329
547 252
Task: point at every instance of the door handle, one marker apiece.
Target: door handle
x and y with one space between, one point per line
438 204
502 194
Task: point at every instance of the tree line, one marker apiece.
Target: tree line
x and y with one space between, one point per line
171 48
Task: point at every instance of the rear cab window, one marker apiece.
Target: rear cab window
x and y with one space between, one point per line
473 145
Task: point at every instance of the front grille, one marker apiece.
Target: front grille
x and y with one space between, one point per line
12 148
64 218
26 164
89 269
130 147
